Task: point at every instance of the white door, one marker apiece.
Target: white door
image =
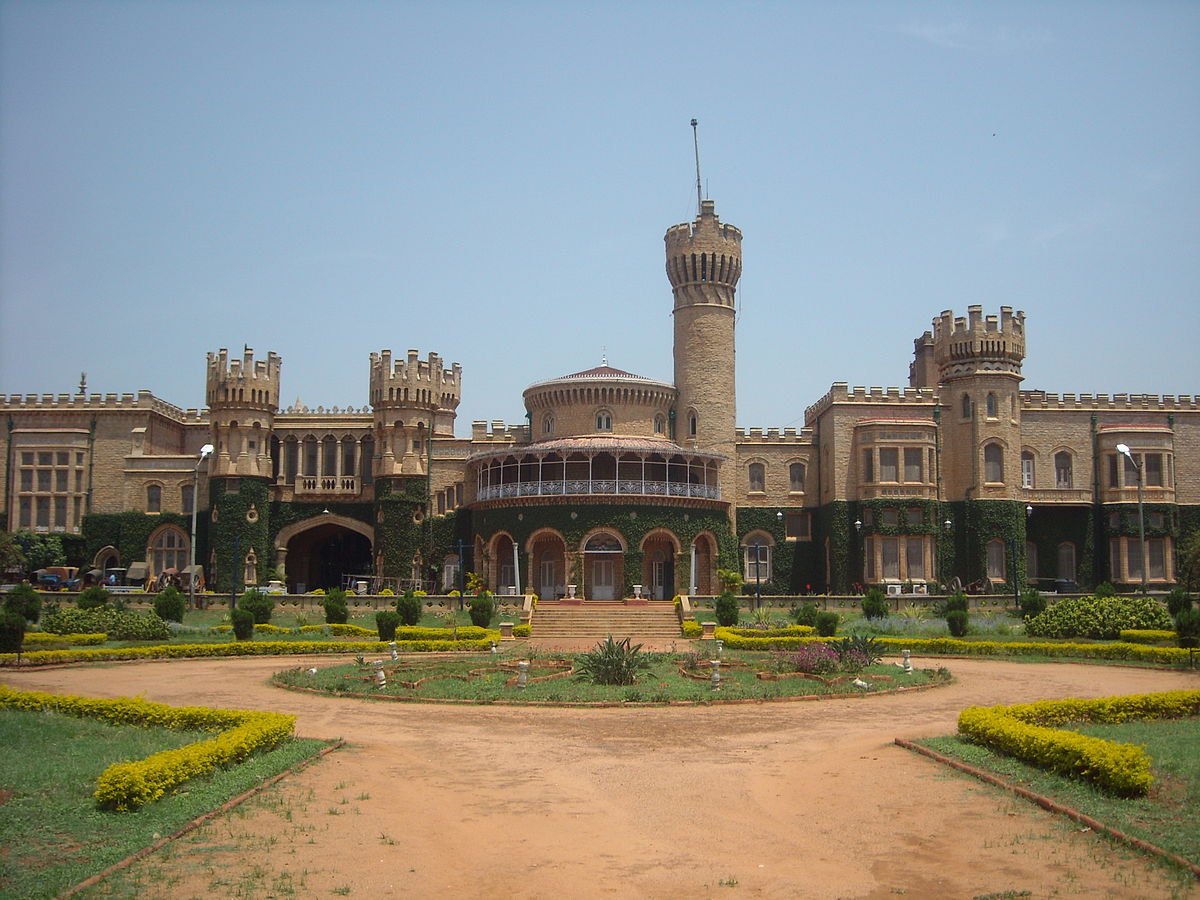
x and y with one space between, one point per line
547 586
602 580
656 577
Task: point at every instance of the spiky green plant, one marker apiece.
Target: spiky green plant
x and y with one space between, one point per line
612 662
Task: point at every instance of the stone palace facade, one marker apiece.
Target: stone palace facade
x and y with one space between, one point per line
616 480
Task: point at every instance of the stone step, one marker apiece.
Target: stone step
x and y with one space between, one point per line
656 619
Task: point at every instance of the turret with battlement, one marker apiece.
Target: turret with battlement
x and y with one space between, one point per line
243 396
704 263
411 398
978 361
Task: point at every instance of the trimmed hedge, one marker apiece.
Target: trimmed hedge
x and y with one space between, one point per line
1032 732
1147 636
78 640
129 785
240 648
953 647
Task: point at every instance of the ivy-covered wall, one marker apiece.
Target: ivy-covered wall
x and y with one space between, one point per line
130 531
401 528
1048 527
632 520
796 566
238 522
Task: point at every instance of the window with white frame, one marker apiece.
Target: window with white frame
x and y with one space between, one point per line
906 557
604 420
1026 469
1125 559
548 425
153 498
756 555
168 550
48 490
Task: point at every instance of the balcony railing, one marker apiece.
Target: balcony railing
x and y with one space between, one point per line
327 485
917 491
624 487
1057 495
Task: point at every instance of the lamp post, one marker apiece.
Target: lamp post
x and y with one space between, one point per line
204 452
1124 450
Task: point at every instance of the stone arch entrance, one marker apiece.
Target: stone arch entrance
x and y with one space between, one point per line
603 566
502 570
548 565
659 550
318 552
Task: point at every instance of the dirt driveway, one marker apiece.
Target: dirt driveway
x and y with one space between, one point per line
767 800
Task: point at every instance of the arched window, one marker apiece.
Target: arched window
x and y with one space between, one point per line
660 424
168 550
250 570
692 424
548 425
604 420
310 456
1026 469
966 406
329 456
991 405
758 477
154 498
796 478
1064 477
756 555
993 464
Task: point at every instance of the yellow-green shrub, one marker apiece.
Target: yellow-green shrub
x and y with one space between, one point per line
692 628
1032 732
79 640
1147 636
522 630
129 785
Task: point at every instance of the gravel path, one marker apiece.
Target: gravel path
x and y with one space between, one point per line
763 800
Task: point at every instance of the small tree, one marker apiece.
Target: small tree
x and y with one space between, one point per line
386 622
827 623
170 604
93 597
258 604
804 614
409 608
25 600
243 624
336 611
12 631
482 609
727 609
957 621
1189 561
1187 628
875 604
1032 603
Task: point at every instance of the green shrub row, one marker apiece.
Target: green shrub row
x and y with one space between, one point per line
1032 732
239 648
1146 635
119 625
78 640
1102 618
129 785
952 647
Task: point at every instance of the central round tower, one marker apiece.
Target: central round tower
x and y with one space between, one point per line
704 263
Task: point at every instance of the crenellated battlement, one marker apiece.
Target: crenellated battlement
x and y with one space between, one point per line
841 392
1165 402
775 435
499 433
414 382
85 402
704 259
978 344
243 382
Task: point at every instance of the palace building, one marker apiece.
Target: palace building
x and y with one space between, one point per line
618 483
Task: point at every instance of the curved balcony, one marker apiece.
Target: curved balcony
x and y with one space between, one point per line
596 466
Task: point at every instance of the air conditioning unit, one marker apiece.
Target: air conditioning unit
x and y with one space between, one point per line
894 590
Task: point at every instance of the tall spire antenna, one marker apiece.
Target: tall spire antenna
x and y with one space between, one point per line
696 144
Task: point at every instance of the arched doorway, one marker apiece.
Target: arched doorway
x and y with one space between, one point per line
603 569
502 565
703 565
658 565
319 552
548 562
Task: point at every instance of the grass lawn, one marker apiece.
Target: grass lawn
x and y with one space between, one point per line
481 679
1169 817
52 832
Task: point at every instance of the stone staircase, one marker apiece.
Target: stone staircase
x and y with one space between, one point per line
598 619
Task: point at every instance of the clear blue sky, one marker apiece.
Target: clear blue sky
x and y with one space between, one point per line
491 182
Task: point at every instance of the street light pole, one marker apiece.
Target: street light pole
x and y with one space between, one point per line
1124 450
204 452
